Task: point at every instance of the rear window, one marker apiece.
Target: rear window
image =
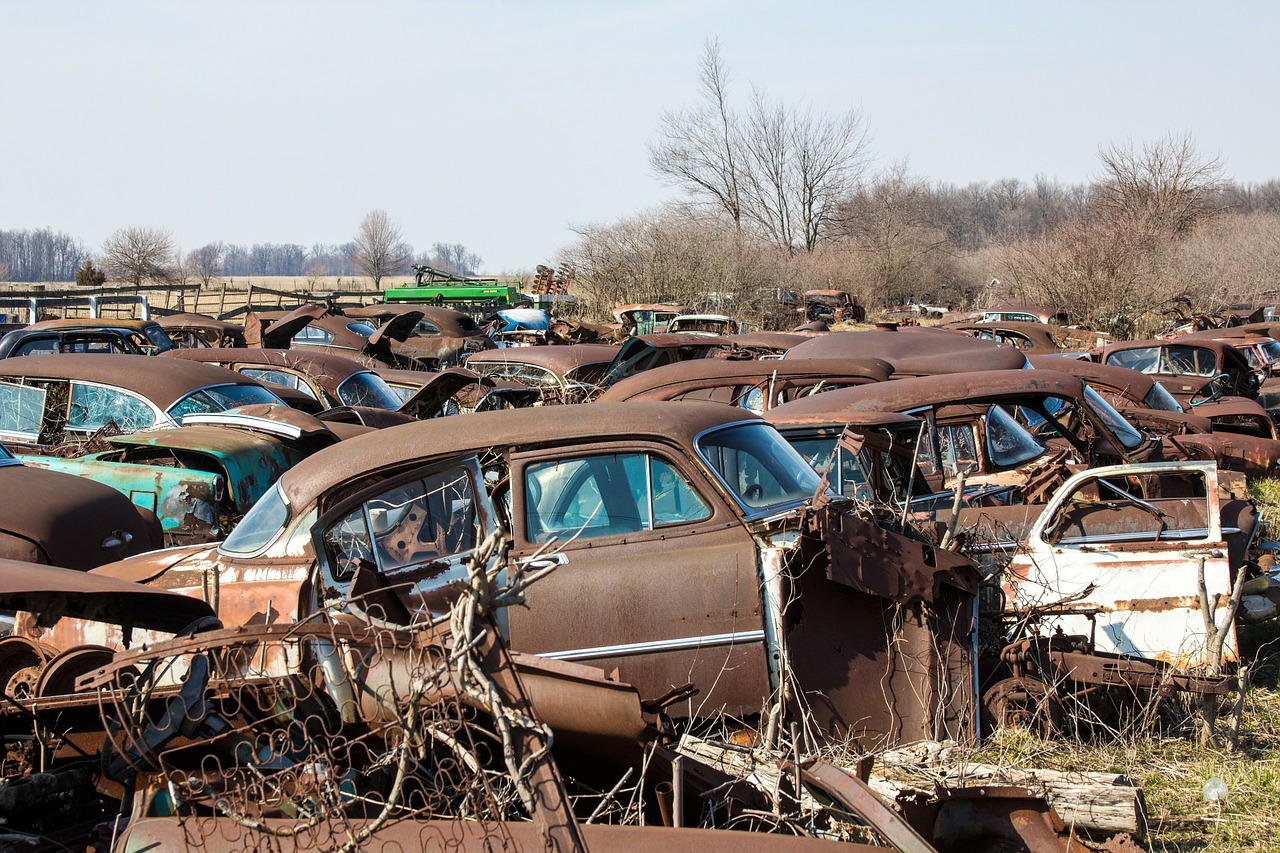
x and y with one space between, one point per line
219 398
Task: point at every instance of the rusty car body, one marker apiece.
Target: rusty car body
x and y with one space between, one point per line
560 374
1113 591
318 327
641 319
74 335
328 379
440 333
833 306
1193 370
913 350
754 385
58 519
1044 337
197 330
710 500
46 400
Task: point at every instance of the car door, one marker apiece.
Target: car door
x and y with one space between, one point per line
1102 562
653 572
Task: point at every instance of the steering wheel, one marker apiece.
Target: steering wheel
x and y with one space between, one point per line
753 492
1216 387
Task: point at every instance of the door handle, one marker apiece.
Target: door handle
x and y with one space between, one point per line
539 562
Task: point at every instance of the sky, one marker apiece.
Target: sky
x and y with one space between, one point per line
505 125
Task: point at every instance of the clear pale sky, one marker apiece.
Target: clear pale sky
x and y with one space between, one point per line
501 125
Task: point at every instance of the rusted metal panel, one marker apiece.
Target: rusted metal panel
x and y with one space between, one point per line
52 592
72 521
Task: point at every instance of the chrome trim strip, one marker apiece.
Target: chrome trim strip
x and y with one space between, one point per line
708 641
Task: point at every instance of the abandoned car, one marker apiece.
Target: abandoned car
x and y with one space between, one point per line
58 519
745 579
47 400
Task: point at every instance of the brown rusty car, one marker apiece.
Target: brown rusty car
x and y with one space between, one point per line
60 519
685 543
49 399
913 350
754 385
560 374
1193 369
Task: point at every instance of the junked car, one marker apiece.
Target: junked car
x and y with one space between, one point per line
57 519
48 337
440 333
754 385
1111 595
646 318
685 543
329 380
197 330
317 327
47 400
560 374
913 350
1193 369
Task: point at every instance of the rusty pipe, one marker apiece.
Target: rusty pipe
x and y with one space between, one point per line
663 793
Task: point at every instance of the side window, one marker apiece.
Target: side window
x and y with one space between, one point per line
92 406
959 447
313 335
21 408
37 346
606 495
1144 359
278 377
674 500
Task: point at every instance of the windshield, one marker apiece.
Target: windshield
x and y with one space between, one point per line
368 389
1160 398
259 526
1270 351
219 398
848 476
1115 422
761 471
1008 444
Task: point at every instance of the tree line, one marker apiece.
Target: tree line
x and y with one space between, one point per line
140 255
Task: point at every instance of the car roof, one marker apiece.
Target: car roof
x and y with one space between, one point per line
395 447
326 368
93 323
558 359
898 395
163 381
703 373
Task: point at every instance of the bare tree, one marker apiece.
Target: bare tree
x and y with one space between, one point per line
205 263
892 222
699 149
780 170
138 254
1163 187
379 248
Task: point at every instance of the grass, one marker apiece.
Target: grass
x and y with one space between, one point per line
1172 767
